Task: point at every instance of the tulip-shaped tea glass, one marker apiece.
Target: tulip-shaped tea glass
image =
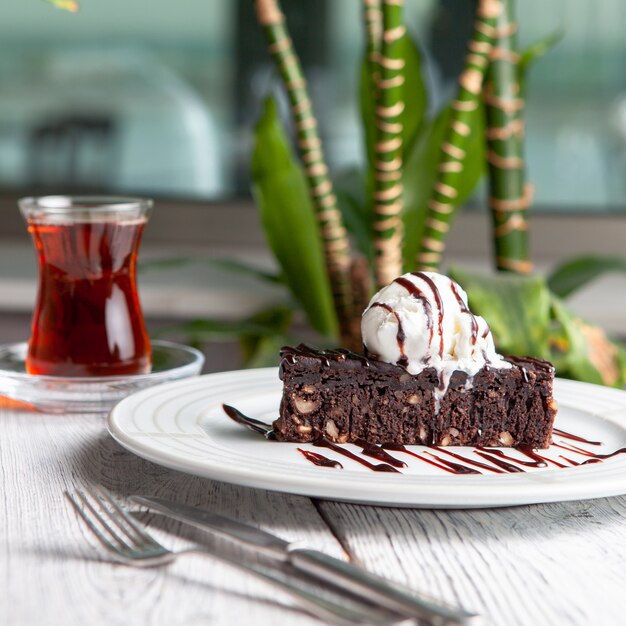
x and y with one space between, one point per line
87 319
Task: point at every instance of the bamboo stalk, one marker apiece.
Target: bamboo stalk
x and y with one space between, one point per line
388 191
442 202
509 195
333 232
373 17
362 290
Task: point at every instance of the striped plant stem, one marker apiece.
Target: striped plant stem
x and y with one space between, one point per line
509 196
442 203
333 232
373 17
388 204
362 292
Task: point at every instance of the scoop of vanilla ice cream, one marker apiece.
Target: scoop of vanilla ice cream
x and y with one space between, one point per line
422 320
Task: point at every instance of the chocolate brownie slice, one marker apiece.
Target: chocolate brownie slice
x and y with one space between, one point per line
346 396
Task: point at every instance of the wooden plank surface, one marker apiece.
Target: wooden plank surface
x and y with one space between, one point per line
518 566
49 572
556 564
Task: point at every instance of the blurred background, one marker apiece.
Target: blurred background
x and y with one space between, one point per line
159 98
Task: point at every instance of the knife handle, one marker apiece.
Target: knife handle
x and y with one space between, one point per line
332 612
375 588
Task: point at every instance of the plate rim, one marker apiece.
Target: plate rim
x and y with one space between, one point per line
198 358
535 487
92 395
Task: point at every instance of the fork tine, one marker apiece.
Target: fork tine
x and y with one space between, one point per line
146 538
132 540
158 555
92 527
101 515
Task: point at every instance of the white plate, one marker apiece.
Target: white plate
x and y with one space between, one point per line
182 426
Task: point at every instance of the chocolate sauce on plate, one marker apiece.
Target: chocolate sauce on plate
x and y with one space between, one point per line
448 466
320 460
537 461
503 462
377 452
439 465
455 468
400 448
381 467
533 454
495 470
566 435
252 424
513 469
595 455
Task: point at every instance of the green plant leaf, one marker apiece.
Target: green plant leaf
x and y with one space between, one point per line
272 321
66 5
539 48
350 191
526 319
289 221
261 349
266 351
576 273
232 265
621 363
415 99
420 173
534 52
517 308
582 351
569 348
200 331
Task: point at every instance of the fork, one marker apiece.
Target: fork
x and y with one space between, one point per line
127 542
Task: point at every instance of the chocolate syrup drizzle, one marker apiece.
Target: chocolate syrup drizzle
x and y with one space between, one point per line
537 461
380 467
453 468
593 455
507 467
465 309
566 435
434 463
431 283
577 463
417 293
290 354
499 460
319 460
250 423
537 363
400 335
378 452
489 468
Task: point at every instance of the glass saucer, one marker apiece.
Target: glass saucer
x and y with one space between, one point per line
57 394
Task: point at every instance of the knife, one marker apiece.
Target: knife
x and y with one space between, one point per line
322 566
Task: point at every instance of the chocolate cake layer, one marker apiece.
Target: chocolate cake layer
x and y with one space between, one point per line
345 396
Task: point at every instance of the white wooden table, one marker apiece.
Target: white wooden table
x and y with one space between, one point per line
547 564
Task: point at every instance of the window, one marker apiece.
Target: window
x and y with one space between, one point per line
160 97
